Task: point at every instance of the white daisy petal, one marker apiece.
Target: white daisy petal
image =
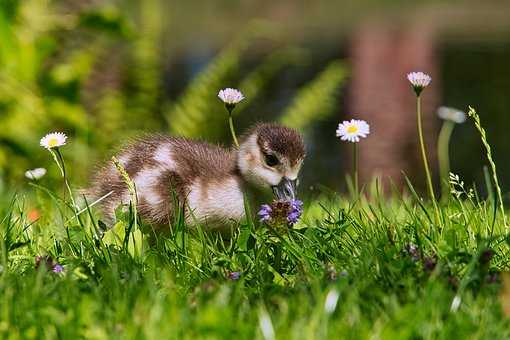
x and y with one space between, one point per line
53 140
352 130
449 113
230 96
35 173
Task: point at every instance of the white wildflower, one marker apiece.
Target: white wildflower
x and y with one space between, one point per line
455 303
331 301
53 140
419 81
451 114
266 325
353 130
35 173
230 96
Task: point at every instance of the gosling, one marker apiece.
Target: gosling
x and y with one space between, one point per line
206 181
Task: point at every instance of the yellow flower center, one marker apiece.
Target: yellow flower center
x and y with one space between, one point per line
52 142
352 129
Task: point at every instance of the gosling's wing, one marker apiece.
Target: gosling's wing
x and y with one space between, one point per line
150 165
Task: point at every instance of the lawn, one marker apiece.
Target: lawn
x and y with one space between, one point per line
375 262
367 268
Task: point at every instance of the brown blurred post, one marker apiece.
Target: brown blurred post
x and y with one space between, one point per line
381 58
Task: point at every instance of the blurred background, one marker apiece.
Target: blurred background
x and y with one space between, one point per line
103 71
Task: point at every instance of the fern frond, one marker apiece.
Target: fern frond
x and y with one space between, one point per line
194 113
255 81
147 67
205 116
317 99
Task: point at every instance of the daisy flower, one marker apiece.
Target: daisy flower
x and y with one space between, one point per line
451 114
35 173
353 130
419 81
230 96
53 140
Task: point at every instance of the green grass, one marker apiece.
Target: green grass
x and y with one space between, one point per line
128 282
123 283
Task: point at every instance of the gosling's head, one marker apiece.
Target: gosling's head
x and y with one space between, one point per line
270 156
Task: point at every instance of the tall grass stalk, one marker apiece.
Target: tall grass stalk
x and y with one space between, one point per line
131 187
472 113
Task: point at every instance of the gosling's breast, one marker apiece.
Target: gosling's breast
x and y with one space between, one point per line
216 201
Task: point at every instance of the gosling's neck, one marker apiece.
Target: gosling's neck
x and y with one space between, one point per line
256 194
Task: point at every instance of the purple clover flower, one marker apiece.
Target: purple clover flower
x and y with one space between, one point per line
412 251
48 263
296 209
58 268
429 263
486 256
265 213
234 276
281 212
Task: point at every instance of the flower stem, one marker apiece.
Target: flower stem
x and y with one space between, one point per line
61 164
232 131
355 169
443 154
425 161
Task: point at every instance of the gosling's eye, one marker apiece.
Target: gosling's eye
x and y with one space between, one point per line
271 160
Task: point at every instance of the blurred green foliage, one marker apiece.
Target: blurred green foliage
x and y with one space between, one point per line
96 72
317 99
49 59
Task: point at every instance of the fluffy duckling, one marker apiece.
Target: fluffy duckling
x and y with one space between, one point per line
208 181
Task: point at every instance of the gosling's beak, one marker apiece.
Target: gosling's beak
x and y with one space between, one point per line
286 189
